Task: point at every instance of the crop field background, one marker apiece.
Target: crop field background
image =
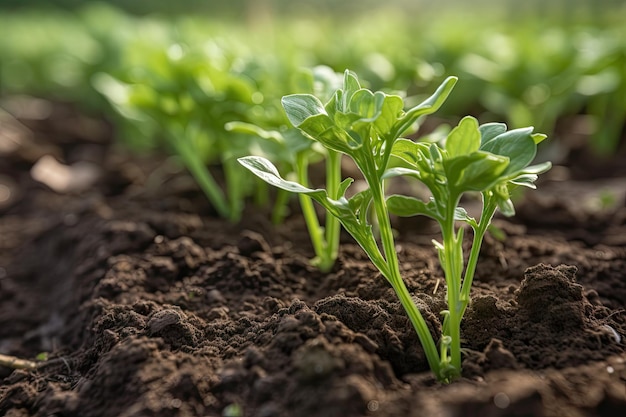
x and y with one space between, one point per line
532 63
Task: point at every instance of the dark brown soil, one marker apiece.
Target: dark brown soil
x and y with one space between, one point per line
146 304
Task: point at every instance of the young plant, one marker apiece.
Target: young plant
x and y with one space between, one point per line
367 127
295 152
183 98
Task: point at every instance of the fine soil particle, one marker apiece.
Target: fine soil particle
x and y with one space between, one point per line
148 305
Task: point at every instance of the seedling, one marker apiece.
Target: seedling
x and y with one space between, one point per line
367 127
295 152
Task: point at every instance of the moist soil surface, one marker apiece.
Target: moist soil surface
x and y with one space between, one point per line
134 299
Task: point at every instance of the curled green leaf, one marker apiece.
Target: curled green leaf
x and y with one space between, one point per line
264 169
300 107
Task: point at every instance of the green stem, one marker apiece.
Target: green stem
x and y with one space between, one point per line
280 206
261 193
333 226
310 216
202 175
489 209
394 277
453 261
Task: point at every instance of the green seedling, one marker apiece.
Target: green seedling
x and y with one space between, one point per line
367 127
294 153
184 99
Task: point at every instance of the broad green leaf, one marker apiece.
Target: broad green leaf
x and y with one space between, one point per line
428 106
390 111
350 86
300 107
474 172
483 173
265 170
346 120
366 104
518 145
464 138
489 131
406 206
408 151
323 130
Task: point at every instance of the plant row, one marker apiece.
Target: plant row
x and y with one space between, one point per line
275 104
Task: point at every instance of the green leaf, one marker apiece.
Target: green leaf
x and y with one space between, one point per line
529 175
254 130
265 170
475 172
525 180
366 104
518 145
406 206
435 155
502 196
538 137
538 169
360 202
460 214
323 130
344 186
300 107
506 207
401 172
389 113
489 131
408 151
350 87
464 139
428 106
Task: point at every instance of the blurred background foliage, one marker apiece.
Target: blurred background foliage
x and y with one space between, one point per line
559 65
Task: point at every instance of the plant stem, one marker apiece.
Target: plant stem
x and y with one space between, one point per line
489 208
310 217
394 277
280 206
453 261
333 226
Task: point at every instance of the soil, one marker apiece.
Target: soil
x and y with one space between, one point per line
138 301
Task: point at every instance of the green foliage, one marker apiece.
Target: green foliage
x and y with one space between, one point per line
367 127
176 82
295 152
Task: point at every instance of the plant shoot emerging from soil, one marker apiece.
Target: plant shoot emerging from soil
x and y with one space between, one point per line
367 127
293 152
